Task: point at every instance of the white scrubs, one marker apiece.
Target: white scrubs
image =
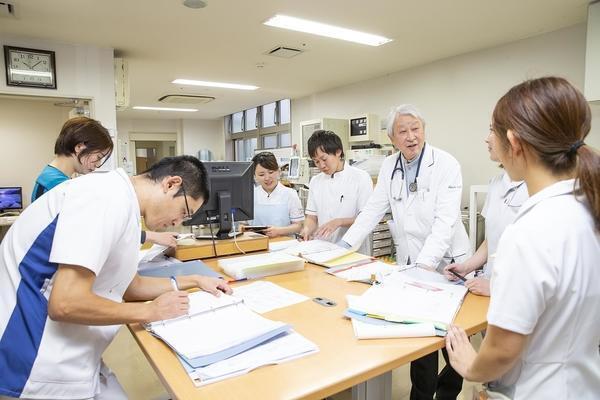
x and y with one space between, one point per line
281 207
545 284
427 228
341 195
94 222
503 201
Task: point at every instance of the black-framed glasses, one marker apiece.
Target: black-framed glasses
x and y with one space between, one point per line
188 215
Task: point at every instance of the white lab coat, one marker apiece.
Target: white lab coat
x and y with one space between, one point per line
427 226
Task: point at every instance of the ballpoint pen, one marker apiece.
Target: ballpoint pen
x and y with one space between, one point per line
174 284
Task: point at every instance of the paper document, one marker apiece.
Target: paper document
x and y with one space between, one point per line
318 251
283 244
425 275
285 347
401 298
363 270
363 330
263 296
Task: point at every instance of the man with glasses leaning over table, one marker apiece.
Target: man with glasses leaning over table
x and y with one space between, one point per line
422 185
68 269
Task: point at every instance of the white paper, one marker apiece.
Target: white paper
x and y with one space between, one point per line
364 272
363 330
263 296
318 251
424 274
283 244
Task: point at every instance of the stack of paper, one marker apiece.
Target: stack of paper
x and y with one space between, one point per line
319 252
285 347
401 299
260 265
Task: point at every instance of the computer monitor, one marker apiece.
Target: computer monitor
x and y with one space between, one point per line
231 187
11 198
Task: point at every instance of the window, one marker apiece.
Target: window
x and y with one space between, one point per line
284 111
251 119
237 120
285 139
268 115
269 141
244 149
262 127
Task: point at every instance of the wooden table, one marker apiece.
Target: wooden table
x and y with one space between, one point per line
342 362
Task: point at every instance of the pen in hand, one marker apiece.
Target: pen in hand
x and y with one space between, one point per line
456 274
174 284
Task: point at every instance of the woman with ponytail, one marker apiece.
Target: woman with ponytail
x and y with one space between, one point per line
543 326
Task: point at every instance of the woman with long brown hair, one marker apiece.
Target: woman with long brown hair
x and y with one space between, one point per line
543 326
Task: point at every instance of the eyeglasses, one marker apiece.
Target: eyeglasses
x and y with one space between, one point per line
188 215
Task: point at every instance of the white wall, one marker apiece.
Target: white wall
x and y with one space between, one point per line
27 134
204 134
457 95
192 134
82 72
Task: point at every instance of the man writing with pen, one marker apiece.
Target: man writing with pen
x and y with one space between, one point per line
68 271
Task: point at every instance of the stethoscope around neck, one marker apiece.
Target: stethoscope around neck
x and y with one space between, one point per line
399 166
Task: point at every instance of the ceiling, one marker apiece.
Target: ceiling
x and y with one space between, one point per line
226 41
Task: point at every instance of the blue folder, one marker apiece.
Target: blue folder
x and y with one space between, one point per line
208 359
180 269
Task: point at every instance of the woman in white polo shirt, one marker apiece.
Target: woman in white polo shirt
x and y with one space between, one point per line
337 194
275 205
502 204
543 326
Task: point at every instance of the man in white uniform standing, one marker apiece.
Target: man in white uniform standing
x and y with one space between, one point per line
68 263
422 185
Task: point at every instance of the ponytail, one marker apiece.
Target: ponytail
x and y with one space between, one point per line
588 177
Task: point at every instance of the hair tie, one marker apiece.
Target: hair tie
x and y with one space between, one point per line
573 149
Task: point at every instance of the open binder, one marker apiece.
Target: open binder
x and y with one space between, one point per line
215 329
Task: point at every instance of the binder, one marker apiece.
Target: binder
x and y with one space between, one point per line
216 328
180 269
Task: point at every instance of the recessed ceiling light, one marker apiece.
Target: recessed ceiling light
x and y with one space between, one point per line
317 28
214 84
165 109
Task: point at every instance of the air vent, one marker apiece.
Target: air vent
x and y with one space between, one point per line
284 52
7 9
185 99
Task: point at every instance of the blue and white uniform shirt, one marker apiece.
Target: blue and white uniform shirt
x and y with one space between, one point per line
93 222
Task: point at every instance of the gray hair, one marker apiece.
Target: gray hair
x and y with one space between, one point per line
404 109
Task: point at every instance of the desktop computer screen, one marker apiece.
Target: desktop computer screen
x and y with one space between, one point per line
231 187
11 198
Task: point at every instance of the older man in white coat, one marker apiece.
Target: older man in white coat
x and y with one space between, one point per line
422 185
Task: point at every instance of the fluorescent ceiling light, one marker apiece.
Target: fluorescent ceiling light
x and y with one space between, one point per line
317 28
214 84
165 109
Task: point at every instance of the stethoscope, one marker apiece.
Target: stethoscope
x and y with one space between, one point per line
413 186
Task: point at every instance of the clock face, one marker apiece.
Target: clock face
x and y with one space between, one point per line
29 67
